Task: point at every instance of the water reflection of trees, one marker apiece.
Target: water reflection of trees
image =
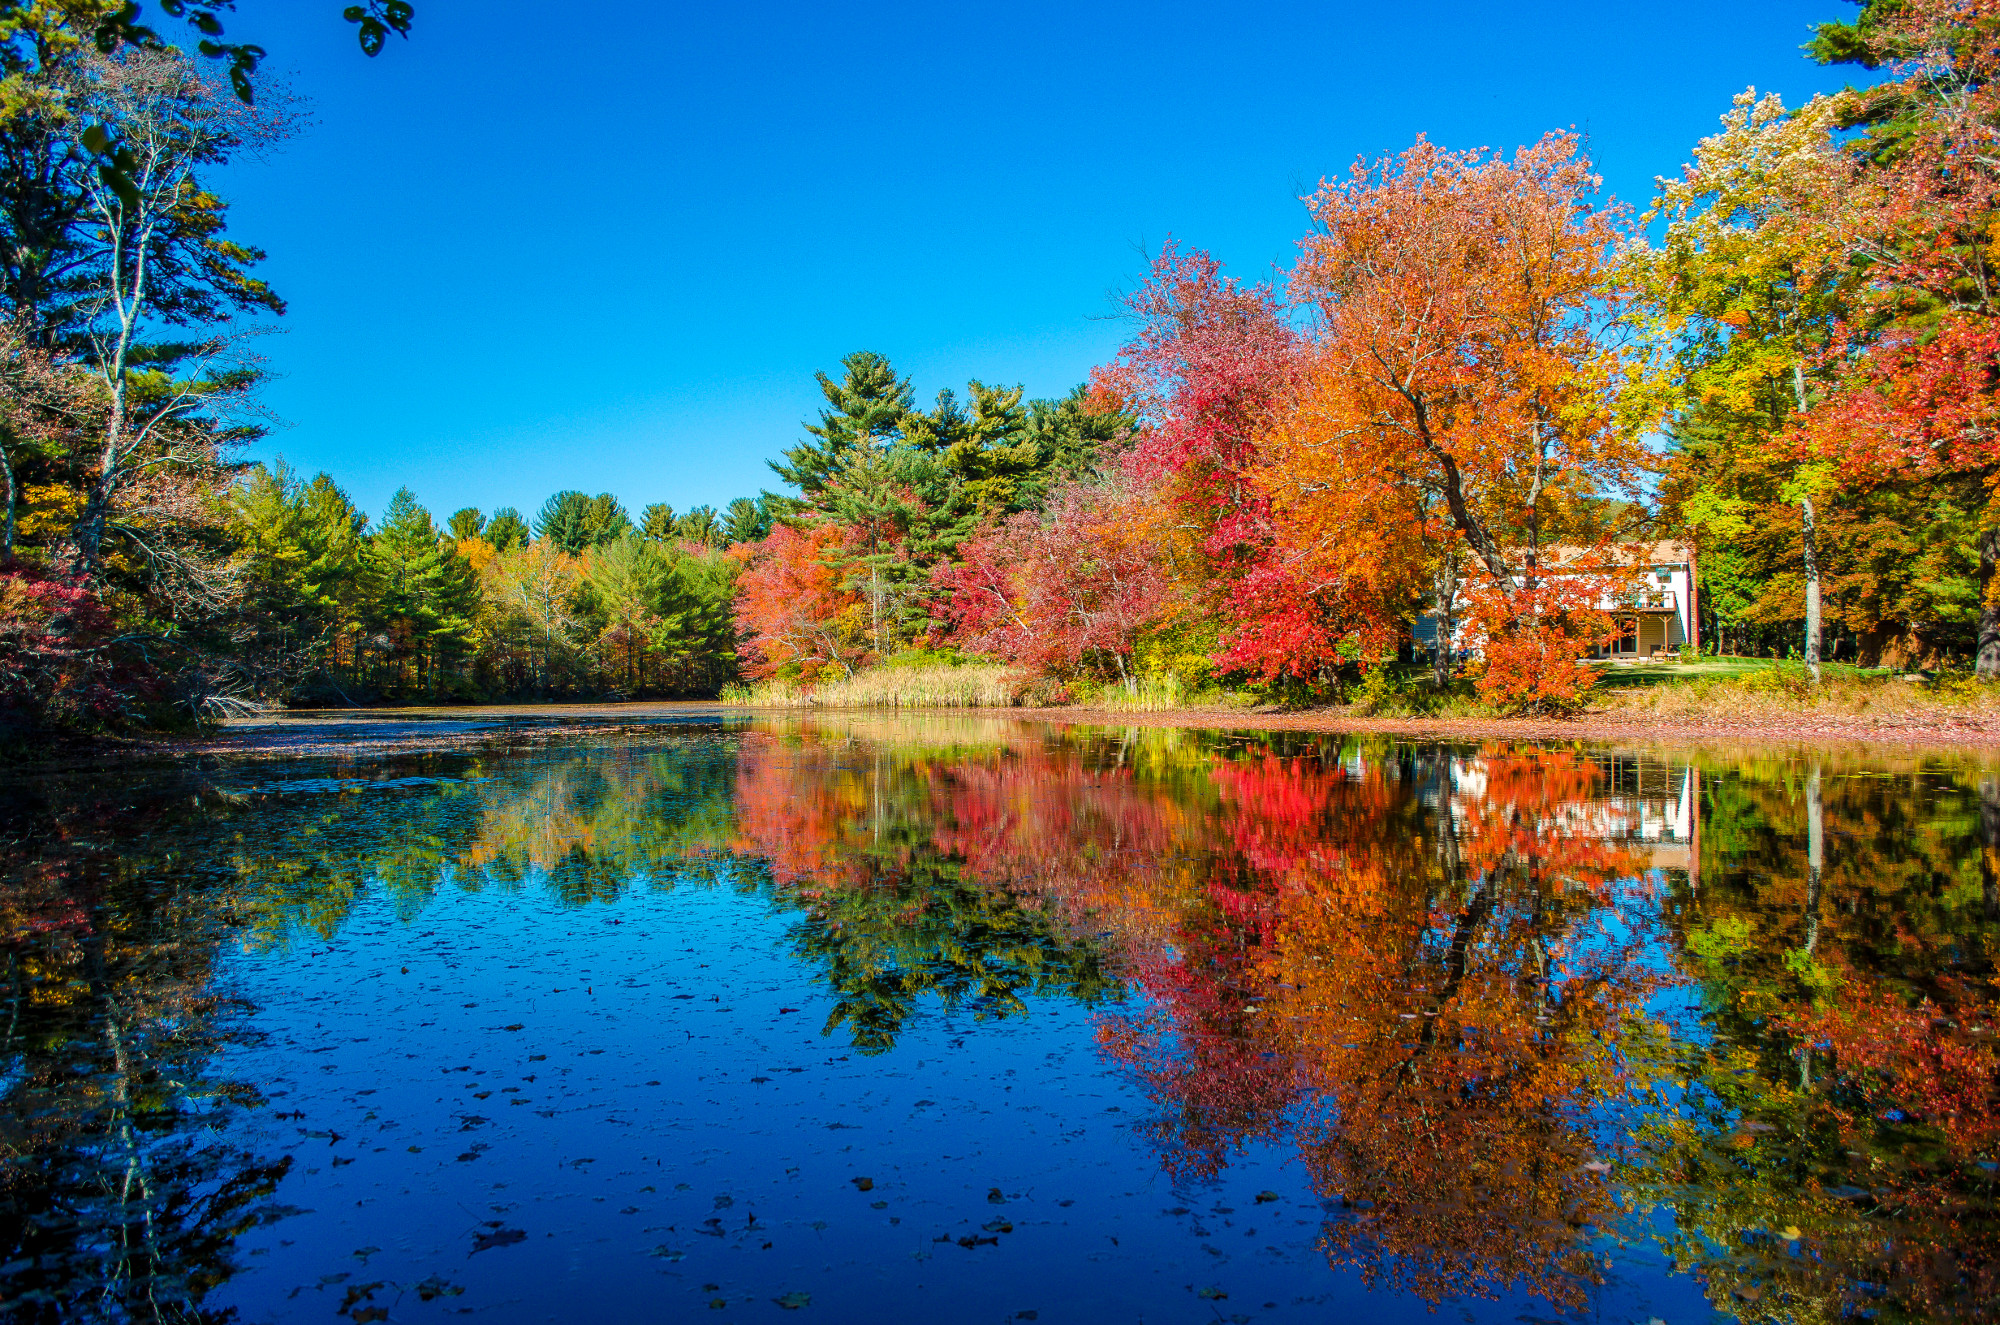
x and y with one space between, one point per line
117 1199
1412 967
1435 975
1833 1152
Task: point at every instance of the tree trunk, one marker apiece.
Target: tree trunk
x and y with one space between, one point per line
7 518
1989 846
1446 588
1815 856
1810 542
1989 612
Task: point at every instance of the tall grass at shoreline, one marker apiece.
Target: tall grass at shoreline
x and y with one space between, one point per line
1761 696
973 685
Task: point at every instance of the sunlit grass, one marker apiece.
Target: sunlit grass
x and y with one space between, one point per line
971 685
1786 690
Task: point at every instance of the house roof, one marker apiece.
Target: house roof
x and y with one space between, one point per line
1662 553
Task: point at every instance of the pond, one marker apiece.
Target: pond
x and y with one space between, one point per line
952 1019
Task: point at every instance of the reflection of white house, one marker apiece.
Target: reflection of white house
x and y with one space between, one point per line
1649 803
1655 616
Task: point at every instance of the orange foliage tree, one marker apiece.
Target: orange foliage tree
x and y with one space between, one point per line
1460 400
792 609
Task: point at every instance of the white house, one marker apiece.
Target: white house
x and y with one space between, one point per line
1655 617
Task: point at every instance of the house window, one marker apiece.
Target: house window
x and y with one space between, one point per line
1628 636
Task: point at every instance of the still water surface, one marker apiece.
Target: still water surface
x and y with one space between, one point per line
965 1020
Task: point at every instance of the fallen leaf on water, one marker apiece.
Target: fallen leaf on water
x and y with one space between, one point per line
864 1184
716 1304
793 1301
1213 1294
435 1287
515 1027
503 1237
994 1196
1265 1197
350 1305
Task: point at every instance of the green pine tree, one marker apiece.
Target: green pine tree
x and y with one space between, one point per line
657 521
506 530
864 411
424 595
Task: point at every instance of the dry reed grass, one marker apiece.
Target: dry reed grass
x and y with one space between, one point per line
974 685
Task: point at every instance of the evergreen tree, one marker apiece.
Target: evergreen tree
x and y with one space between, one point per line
574 521
424 594
910 512
864 412
297 553
695 633
467 523
625 581
998 456
1071 435
749 519
657 521
700 525
506 530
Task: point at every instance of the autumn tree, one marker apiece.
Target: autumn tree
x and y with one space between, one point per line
1461 384
1066 590
1211 363
795 611
160 260
1746 293
1912 368
538 583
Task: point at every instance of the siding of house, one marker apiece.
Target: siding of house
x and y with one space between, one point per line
1667 568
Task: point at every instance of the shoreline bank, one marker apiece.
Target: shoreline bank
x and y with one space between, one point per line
507 726
416 730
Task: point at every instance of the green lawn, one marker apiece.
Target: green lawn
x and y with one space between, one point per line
1667 673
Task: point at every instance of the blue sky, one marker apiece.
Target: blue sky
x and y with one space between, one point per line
606 246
